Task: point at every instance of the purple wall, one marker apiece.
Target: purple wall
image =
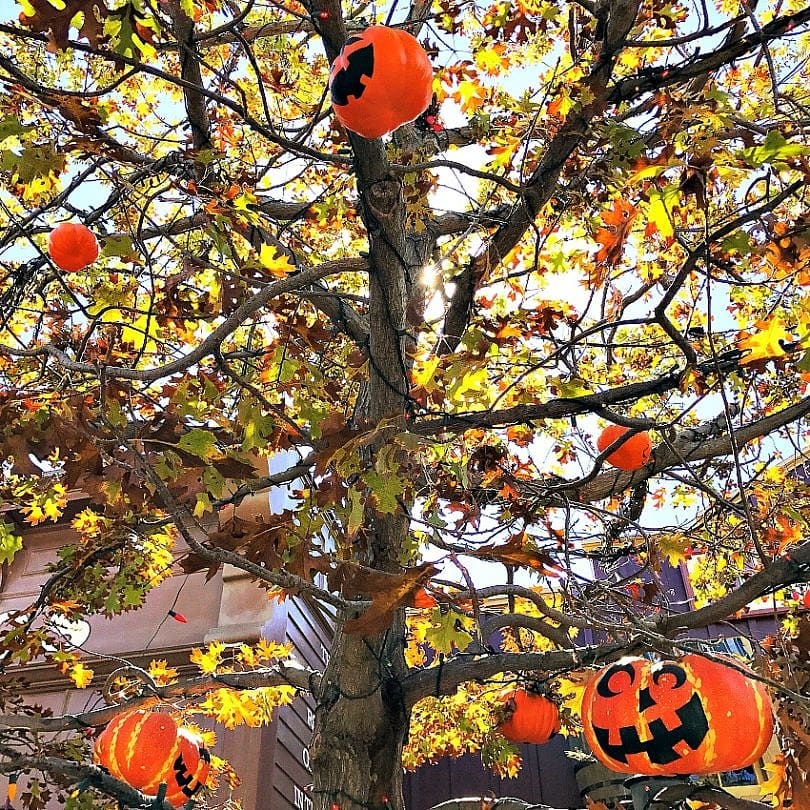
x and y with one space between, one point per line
547 777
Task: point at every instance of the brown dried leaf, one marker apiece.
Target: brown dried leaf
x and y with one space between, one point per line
388 593
56 23
515 552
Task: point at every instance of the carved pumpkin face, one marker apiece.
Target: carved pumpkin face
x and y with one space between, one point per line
535 719
632 455
381 79
72 246
671 718
145 749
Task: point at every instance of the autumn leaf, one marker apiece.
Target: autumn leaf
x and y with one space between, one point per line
276 263
42 16
783 535
767 342
80 675
776 782
388 592
613 234
248 707
675 546
517 551
470 95
210 659
449 631
161 673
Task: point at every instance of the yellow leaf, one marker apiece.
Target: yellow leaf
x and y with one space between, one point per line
572 689
249 707
208 661
766 343
276 263
777 778
161 673
80 675
490 58
659 214
676 547
470 95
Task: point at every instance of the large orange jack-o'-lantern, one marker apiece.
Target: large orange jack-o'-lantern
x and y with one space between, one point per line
145 749
671 718
381 80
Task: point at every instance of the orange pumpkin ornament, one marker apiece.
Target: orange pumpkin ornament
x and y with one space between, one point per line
145 749
632 455
672 718
381 79
535 719
72 246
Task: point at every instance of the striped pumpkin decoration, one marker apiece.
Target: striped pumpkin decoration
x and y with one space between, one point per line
672 718
145 749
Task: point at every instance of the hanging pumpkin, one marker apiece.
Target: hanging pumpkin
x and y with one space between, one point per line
532 718
381 79
145 749
672 718
632 455
72 246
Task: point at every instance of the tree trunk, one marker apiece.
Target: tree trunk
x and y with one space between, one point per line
361 722
361 725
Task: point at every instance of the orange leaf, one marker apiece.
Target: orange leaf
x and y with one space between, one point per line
613 235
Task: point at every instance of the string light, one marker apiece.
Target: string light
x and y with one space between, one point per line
178 617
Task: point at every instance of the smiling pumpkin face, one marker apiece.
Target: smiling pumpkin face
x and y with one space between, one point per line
381 79
690 716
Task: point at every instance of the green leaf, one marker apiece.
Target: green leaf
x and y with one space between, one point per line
773 149
738 242
10 543
33 162
385 491
258 425
200 443
11 127
117 245
448 633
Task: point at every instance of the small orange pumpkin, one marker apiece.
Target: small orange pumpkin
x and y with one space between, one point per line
145 749
380 80
632 455
72 246
535 719
671 718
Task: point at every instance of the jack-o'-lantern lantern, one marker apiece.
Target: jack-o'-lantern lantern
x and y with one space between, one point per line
381 79
632 455
532 718
72 246
672 718
145 749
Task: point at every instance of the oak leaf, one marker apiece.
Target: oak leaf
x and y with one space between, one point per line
517 551
767 342
388 593
613 234
42 16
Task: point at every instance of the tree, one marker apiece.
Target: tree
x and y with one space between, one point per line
609 226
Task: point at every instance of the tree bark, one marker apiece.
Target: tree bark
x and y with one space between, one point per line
362 720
